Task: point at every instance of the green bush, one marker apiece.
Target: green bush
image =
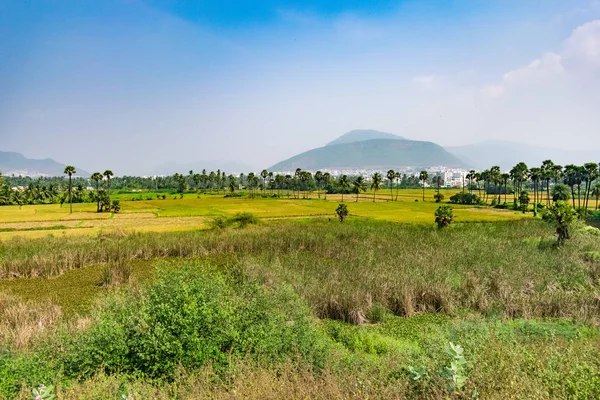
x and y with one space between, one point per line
342 211
189 318
465 198
444 216
438 197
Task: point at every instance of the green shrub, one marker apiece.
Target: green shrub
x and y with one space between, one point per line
444 216
465 198
189 318
342 211
561 215
438 197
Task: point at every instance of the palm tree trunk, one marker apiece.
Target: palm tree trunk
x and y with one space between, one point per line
423 189
392 190
374 192
70 195
342 195
397 188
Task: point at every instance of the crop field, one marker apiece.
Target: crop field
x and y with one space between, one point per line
191 212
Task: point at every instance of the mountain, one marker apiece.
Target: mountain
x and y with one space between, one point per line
506 154
372 154
229 167
17 164
360 135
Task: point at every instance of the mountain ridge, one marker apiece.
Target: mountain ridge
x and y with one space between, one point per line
13 163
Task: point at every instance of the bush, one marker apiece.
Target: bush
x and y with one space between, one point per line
189 318
465 198
342 211
438 197
444 216
560 192
561 215
239 219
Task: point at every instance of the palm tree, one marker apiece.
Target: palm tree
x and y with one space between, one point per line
535 174
264 174
359 185
376 183
326 179
470 176
70 170
97 177
398 176
590 173
344 184
596 193
297 176
391 175
505 178
423 176
570 176
108 174
318 179
547 175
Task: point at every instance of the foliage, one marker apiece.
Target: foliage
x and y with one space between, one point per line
561 215
456 372
524 201
444 216
560 192
465 198
342 211
438 197
240 220
43 393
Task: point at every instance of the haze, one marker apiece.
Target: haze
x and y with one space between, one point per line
130 85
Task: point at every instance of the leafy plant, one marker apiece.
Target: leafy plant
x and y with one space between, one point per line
438 197
342 211
43 393
561 215
444 216
455 373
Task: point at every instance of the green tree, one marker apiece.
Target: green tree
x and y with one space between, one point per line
318 180
561 215
359 185
342 211
376 183
535 175
504 178
326 179
444 216
560 192
423 176
108 174
391 176
547 175
344 184
97 177
596 193
70 171
590 174
524 200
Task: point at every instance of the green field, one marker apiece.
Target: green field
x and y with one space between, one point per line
191 212
183 298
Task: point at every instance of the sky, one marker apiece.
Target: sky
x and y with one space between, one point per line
133 84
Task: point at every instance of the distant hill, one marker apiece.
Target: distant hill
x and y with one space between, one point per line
506 154
17 164
372 154
360 135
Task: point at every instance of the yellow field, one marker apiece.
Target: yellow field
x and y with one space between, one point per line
34 221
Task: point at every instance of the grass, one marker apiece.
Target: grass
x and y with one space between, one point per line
191 212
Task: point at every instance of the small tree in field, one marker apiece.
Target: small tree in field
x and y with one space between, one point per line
342 211
561 215
444 216
524 201
438 197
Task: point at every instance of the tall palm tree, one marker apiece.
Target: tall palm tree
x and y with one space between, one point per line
535 174
264 174
326 179
547 174
596 193
359 185
570 175
470 176
97 177
398 177
344 184
297 176
70 170
391 175
505 178
423 176
318 179
108 174
590 173
375 183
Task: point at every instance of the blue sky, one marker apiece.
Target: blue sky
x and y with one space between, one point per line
130 84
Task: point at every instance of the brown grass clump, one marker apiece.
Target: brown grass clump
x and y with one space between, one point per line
22 322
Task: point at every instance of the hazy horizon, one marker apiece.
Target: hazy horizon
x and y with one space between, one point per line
130 85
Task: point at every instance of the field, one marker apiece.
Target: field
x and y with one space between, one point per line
191 212
160 301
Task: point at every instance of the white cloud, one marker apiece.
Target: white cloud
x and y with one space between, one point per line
580 49
583 46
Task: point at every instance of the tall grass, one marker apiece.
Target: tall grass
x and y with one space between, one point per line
507 269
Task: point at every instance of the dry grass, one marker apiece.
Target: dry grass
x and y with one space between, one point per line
21 322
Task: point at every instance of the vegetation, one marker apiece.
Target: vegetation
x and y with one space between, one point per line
444 216
342 211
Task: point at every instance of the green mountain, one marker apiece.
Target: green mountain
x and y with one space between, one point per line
17 164
360 135
372 154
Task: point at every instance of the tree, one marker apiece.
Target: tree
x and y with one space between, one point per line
547 175
344 184
561 215
108 174
423 176
519 175
342 211
70 170
359 185
297 176
590 174
444 216
524 200
504 179
232 183
470 176
376 183
97 177
596 193
560 192
326 179
318 180
535 174
391 175
570 176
